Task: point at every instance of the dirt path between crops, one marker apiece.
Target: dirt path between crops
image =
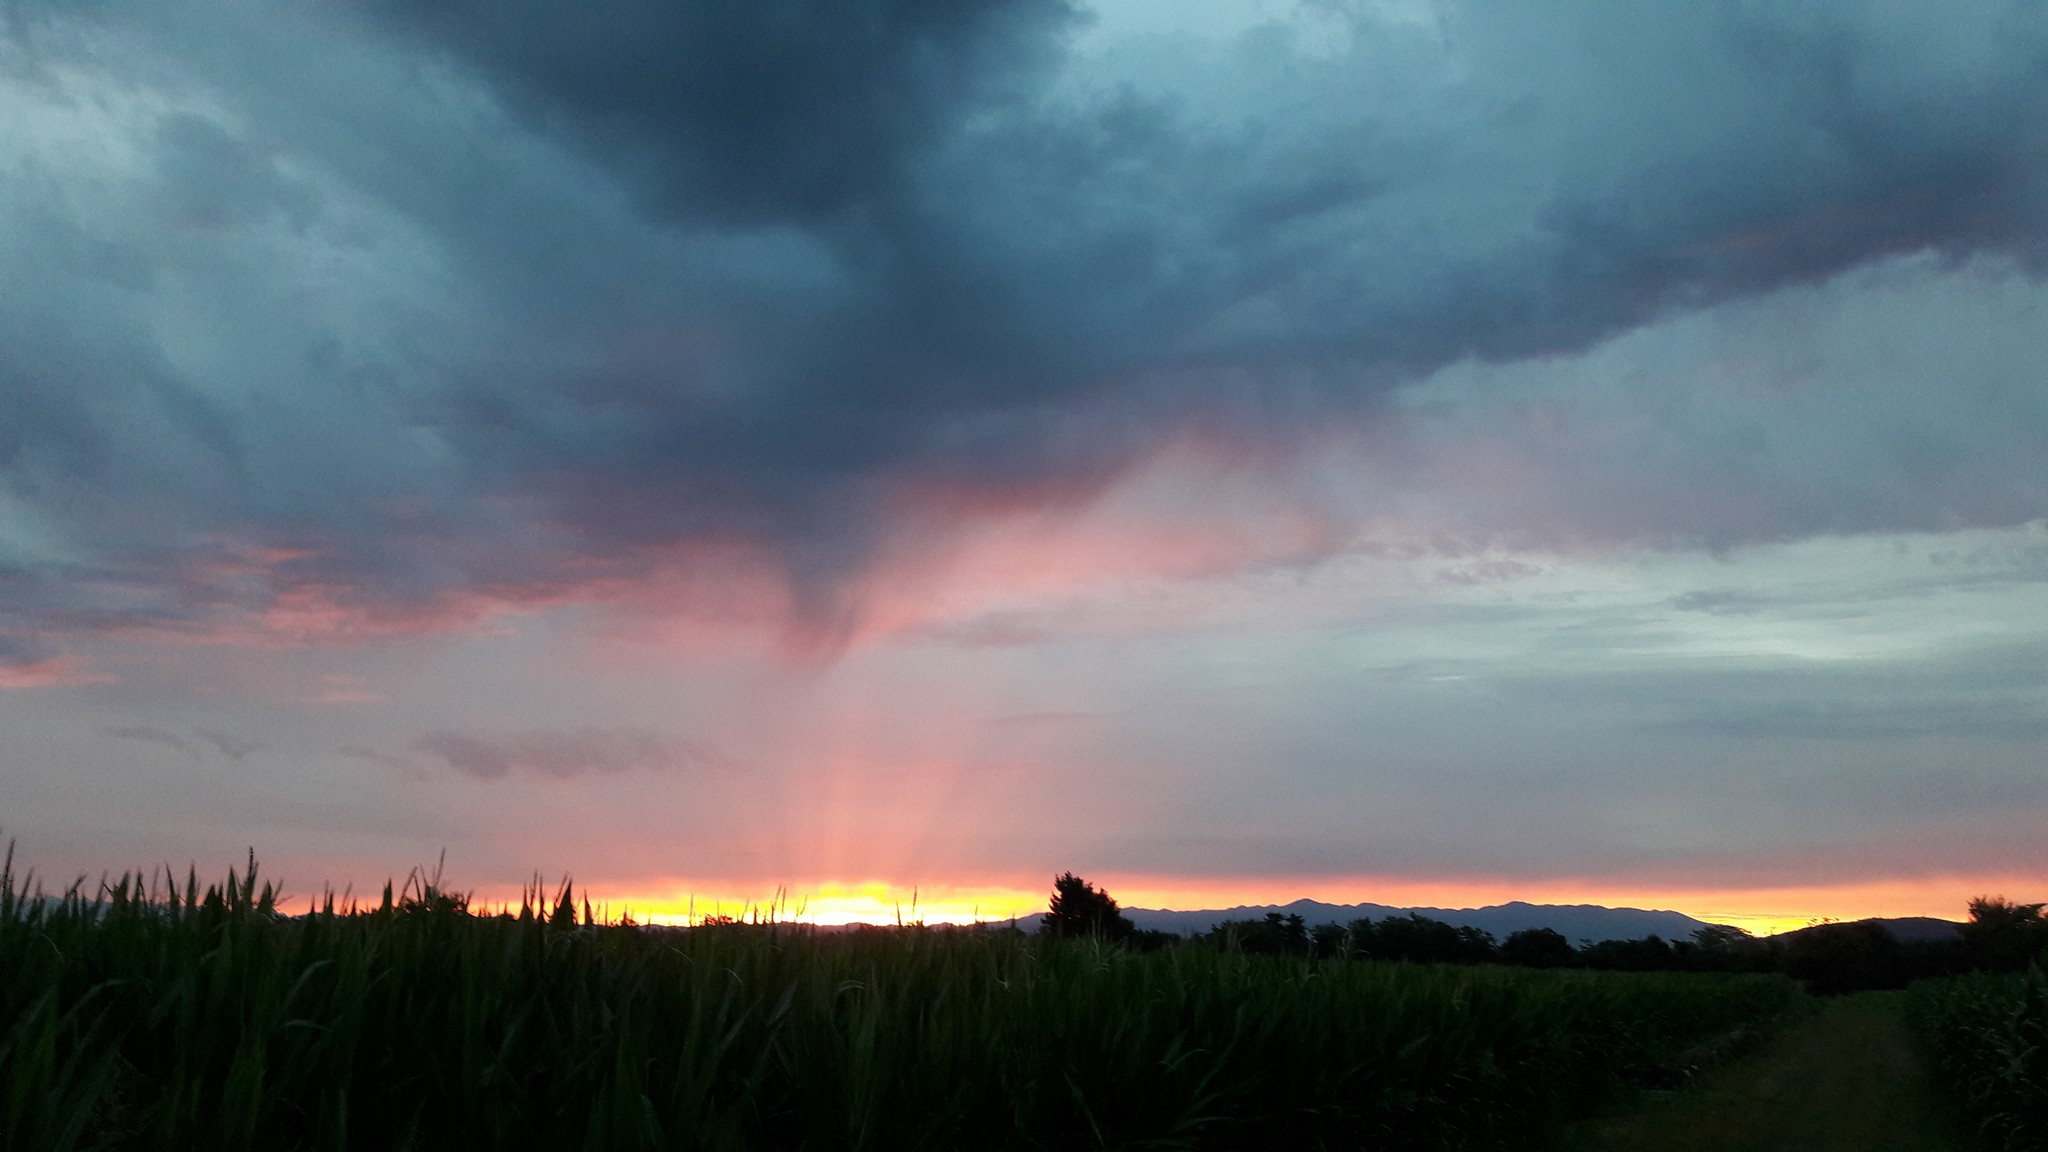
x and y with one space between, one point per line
1845 1079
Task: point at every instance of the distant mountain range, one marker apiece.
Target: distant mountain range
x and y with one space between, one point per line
1575 921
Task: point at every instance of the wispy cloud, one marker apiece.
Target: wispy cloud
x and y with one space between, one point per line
226 744
405 767
563 754
149 734
229 745
1720 602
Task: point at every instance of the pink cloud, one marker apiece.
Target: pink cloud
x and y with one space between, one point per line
338 688
53 672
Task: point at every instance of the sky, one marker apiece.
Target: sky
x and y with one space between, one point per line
1237 450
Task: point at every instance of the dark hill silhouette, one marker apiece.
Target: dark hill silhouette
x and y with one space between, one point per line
1918 929
1575 921
1904 929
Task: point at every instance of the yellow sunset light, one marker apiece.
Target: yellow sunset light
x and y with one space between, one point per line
836 904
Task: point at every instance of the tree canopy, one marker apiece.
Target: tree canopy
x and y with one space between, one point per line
2005 935
1079 908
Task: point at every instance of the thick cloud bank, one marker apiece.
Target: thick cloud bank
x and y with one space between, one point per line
342 320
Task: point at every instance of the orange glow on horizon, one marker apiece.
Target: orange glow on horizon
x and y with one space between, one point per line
1760 910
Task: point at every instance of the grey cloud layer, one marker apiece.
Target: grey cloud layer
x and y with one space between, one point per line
439 298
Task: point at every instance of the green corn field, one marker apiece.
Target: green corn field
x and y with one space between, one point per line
1988 1037
178 1018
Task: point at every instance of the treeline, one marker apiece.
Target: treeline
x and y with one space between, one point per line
2001 936
1418 939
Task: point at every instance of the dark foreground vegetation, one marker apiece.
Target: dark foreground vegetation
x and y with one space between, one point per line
1978 996
1987 1035
210 1019
1847 1077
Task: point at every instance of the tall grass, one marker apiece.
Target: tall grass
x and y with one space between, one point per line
182 1018
1988 1035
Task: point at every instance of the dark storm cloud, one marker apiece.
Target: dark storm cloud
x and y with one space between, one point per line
776 110
421 303
213 180
561 754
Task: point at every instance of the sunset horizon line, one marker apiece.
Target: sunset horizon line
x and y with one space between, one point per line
1761 910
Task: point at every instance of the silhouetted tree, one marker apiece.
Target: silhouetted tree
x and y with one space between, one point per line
1721 948
1649 954
1152 939
1331 940
1079 908
1538 948
1276 935
1291 928
1476 945
1722 938
1418 939
2004 936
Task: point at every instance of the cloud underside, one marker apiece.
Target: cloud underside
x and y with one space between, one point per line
340 322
